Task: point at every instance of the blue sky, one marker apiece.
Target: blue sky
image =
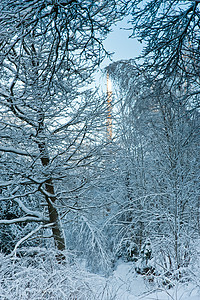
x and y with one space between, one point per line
118 41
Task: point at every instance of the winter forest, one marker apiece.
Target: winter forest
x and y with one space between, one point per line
99 191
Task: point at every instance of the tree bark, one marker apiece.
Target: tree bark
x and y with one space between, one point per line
53 213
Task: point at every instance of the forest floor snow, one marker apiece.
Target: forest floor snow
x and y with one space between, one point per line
42 278
125 284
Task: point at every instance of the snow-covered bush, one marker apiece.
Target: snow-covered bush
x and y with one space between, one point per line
127 249
145 264
166 272
38 275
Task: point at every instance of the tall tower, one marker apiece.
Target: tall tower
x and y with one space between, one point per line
109 109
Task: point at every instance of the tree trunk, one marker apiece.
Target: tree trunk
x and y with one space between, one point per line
53 213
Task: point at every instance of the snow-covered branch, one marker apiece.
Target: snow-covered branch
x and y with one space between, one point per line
27 210
23 219
30 234
16 151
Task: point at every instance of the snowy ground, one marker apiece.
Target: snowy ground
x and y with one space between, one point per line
42 278
124 284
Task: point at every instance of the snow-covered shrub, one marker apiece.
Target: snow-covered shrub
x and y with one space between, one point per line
167 274
38 275
145 264
127 249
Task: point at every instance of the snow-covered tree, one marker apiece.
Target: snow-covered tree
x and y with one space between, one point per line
158 135
170 32
48 52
